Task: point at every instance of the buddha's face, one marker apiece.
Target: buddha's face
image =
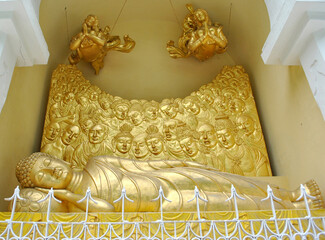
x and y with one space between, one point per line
139 147
191 106
208 135
169 130
96 134
136 117
52 131
151 112
70 135
121 111
123 144
170 110
155 145
49 172
189 146
246 124
226 138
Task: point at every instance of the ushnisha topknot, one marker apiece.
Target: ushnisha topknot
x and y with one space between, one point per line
24 168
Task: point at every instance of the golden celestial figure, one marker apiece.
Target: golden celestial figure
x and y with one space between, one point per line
200 38
93 43
106 176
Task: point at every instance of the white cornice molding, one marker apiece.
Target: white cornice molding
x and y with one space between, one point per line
21 40
296 38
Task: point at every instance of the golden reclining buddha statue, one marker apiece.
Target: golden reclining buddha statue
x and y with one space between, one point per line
210 139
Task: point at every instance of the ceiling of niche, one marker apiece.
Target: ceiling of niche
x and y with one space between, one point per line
147 72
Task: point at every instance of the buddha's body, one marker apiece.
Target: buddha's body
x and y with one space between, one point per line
106 176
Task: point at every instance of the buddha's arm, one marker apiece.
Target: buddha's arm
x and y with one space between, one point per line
73 198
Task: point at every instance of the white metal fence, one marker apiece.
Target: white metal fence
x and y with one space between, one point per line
306 227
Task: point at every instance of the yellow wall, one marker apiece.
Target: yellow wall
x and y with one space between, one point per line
292 123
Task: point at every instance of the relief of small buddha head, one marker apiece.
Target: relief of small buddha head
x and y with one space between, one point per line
226 132
120 108
122 142
52 131
208 136
139 147
97 133
154 140
70 134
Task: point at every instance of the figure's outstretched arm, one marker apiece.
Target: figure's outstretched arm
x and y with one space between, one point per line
73 198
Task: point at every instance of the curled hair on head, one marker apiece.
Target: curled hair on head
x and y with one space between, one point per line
153 131
24 168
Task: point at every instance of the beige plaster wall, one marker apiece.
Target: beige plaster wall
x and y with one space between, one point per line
292 124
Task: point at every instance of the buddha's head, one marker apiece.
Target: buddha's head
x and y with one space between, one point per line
43 170
97 133
226 133
154 140
139 147
191 104
52 131
122 142
246 124
169 108
120 108
208 136
151 110
70 134
188 140
136 114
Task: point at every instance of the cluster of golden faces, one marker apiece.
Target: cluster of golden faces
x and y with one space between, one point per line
216 125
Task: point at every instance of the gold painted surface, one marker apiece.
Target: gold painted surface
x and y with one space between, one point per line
107 176
217 125
200 37
93 43
142 218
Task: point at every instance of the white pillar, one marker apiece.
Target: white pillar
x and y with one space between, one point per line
21 40
297 38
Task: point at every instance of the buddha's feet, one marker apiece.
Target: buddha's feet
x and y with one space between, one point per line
312 189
